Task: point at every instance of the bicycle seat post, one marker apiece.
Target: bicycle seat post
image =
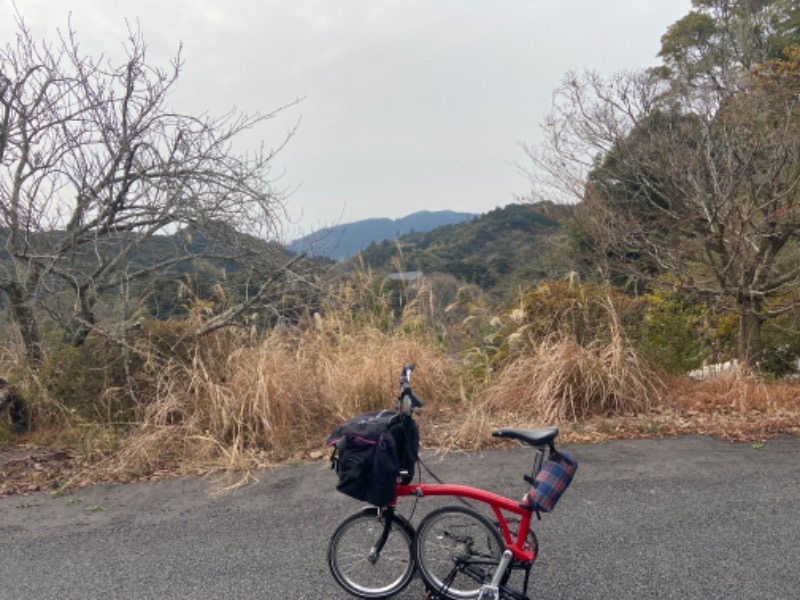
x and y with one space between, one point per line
537 462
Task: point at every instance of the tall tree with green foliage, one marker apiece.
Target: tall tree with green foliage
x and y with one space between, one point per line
720 40
690 173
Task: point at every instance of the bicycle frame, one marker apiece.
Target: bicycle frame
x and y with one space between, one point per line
497 503
521 548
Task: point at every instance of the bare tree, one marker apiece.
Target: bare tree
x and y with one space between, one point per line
689 172
94 162
698 188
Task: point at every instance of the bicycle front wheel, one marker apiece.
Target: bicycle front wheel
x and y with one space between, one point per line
457 550
353 561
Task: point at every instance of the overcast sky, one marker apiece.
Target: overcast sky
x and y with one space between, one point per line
406 105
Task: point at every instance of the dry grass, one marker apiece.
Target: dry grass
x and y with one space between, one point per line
559 380
279 400
564 381
274 401
234 402
737 407
733 406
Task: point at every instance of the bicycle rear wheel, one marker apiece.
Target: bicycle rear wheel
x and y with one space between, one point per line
457 550
352 559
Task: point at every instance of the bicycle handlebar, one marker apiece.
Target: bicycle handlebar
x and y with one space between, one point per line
405 391
405 373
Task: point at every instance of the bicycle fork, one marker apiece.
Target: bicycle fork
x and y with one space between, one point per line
375 551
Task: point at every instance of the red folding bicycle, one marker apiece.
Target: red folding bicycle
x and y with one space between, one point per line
460 552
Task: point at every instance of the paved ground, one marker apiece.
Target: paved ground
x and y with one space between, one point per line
689 517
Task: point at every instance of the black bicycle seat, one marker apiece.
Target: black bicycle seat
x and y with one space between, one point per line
532 437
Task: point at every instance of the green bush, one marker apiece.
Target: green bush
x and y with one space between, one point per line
91 381
6 435
676 334
781 345
585 311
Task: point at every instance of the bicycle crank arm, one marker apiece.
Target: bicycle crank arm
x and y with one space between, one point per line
492 591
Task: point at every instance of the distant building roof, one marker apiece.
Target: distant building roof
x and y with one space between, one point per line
407 276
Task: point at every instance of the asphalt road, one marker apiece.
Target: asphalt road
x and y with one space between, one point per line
689 517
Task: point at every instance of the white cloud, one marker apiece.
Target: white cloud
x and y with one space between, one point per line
409 104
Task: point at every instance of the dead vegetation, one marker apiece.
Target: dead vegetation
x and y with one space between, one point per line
233 401
262 406
271 402
564 381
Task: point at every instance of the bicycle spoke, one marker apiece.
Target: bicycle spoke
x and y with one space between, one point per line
457 550
351 550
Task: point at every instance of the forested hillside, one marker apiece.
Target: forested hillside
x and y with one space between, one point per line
502 250
166 272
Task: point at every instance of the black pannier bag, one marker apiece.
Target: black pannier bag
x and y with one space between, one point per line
370 450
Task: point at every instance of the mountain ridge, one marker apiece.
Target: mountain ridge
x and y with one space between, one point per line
347 239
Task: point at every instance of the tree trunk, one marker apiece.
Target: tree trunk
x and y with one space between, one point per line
22 315
83 321
750 347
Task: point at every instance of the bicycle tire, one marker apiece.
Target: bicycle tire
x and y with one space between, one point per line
457 550
349 553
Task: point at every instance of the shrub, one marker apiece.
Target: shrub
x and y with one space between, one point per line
676 333
90 382
563 380
583 311
781 345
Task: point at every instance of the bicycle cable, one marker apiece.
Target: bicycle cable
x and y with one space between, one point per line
464 501
461 499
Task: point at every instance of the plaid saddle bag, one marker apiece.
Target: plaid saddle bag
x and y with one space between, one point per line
554 477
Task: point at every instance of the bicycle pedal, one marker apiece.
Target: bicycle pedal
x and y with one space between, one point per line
489 592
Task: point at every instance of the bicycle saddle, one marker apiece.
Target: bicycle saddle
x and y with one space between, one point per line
532 437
